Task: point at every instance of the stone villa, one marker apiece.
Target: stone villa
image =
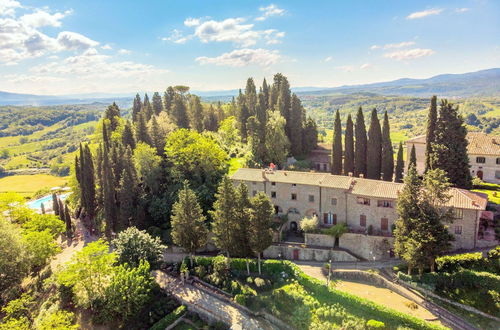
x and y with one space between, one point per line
483 150
367 206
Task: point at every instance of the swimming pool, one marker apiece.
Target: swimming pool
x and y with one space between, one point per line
46 200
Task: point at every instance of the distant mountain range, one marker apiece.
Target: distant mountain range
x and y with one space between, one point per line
479 83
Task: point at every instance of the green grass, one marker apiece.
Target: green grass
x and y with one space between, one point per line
490 189
29 184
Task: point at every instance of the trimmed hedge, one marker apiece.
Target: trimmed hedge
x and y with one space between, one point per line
169 319
452 264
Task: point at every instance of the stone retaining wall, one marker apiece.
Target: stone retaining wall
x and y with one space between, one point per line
295 252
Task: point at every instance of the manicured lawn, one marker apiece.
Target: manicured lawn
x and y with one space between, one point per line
29 184
492 190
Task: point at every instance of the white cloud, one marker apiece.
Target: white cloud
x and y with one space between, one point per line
106 47
346 68
328 59
190 22
375 47
75 41
391 46
365 66
177 37
42 18
8 7
462 10
424 13
124 52
409 54
243 57
269 11
233 30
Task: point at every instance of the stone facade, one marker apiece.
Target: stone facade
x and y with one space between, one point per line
368 207
483 151
291 252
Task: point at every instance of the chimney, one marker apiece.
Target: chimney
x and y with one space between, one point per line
349 174
361 175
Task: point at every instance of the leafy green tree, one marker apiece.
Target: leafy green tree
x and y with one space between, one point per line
198 159
58 320
450 148
261 222
41 222
14 262
337 145
224 225
399 164
40 246
387 151
157 103
88 273
430 136
277 143
349 147
309 224
133 246
360 144
189 229
229 133
128 292
336 231
147 164
243 218
374 148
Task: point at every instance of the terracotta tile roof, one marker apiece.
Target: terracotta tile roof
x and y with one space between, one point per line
479 143
460 198
376 188
483 144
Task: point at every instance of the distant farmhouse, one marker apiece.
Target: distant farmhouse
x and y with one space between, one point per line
483 150
367 206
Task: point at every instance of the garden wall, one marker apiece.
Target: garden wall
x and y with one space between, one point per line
295 252
365 246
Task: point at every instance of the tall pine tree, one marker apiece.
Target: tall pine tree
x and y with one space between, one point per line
337 145
136 107
413 157
179 113
127 193
157 103
374 148
349 147
360 144
387 151
128 138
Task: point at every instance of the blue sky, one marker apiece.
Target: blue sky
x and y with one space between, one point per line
70 47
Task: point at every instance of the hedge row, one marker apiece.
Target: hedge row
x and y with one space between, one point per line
169 319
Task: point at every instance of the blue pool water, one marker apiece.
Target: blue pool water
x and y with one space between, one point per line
46 200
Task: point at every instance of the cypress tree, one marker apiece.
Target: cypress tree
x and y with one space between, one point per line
55 204
387 151
117 153
89 179
179 112
210 120
128 138
260 135
337 145
168 99
265 93
243 115
42 208
296 128
430 136
360 144
349 147
450 148
310 135
99 177
109 201
127 193
374 148
141 130
157 139
413 157
157 103
61 209
67 221
399 164
196 111
136 107
251 97
146 102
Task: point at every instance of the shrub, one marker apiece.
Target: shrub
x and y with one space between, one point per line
374 324
262 284
309 225
133 245
452 264
240 299
169 319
